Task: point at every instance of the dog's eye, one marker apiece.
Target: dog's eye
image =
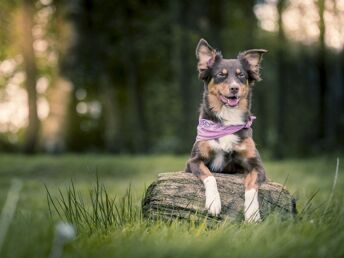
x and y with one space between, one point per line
241 75
221 75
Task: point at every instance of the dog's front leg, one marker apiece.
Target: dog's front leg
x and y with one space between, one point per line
212 197
256 175
251 206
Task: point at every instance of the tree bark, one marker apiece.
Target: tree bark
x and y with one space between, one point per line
26 40
181 195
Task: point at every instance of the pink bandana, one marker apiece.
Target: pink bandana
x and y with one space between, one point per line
209 130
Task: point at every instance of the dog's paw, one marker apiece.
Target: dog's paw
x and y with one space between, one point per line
252 206
213 204
212 196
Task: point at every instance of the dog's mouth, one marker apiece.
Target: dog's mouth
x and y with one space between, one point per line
231 101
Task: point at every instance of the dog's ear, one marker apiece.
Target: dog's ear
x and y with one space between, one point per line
206 57
251 60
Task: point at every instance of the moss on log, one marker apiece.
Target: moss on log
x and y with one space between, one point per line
182 195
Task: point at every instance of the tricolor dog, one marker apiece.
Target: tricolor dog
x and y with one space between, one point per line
224 136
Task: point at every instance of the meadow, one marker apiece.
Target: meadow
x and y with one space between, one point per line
317 230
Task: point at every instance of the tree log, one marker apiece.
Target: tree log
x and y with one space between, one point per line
182 195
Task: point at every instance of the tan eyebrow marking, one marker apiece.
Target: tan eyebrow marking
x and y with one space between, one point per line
238 71
224 71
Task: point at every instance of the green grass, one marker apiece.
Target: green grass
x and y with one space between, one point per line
315 232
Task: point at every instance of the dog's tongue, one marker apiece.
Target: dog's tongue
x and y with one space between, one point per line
233 102
230 102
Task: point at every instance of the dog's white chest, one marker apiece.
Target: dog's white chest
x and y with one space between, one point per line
229 116
222 146
225 143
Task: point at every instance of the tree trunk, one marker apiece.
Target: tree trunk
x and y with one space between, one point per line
322 73
54 127
279 151
26 40
181 195
112 137
215 17
137 127
59 94
184 74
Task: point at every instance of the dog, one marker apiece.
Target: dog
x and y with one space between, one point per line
224 136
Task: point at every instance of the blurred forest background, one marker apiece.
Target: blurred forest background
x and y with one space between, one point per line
120 76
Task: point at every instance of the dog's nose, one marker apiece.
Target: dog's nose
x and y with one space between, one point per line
234 89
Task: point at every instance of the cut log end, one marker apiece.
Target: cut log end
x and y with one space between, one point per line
182 195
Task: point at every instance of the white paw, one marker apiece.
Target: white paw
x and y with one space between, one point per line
252 206
212 196
213 204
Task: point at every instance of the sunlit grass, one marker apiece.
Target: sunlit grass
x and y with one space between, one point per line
318 230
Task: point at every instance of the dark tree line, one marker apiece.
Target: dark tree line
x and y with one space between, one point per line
137 59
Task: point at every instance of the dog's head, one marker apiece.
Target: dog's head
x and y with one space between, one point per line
228 81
